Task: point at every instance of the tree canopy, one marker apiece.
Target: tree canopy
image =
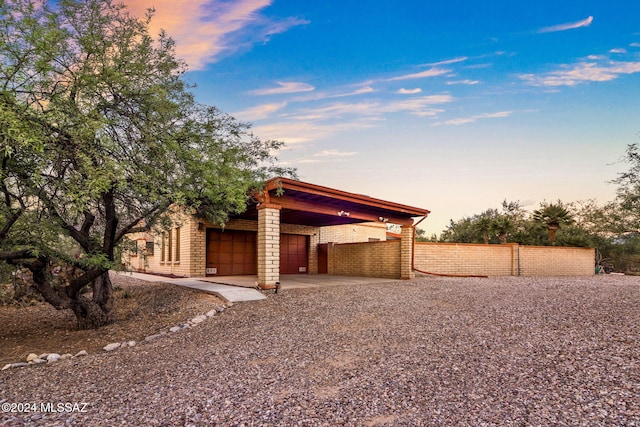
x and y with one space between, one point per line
99 135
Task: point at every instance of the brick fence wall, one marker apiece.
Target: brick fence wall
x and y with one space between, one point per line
503 260
369 259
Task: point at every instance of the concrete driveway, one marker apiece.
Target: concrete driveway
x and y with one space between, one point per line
297 281
243 288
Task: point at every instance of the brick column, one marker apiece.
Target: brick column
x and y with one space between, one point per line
406 252
268 245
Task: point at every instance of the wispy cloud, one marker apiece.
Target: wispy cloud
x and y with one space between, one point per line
583 72
432 72
299 132
404 91
465 120
618 50
634 44
334 153
419 106
325 156
259 112
446 62
568 26
284 88
205 29
463 82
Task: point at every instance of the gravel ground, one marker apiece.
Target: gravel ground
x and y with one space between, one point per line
431 351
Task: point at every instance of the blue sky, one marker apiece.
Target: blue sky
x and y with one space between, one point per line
451 106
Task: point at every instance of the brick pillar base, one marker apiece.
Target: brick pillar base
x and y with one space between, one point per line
406 252
268 245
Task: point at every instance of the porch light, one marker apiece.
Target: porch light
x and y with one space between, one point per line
343 213
381 219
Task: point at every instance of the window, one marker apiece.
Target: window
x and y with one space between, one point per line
150 248
177 257
170 247
162 246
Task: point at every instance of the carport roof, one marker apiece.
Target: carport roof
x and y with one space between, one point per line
310 204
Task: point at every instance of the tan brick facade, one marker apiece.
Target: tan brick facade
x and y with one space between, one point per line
352 233
367 259
268 245
503 260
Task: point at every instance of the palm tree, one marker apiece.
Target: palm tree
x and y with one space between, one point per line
503 225
553 215
483 226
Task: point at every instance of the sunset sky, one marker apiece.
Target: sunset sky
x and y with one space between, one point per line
451 106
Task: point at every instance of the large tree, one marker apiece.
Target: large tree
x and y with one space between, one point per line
625 214
99 136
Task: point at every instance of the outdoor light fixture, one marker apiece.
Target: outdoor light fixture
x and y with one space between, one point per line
381 219
343 213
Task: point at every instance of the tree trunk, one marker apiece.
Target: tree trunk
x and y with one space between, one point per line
89 314
103 293
95 312
552 229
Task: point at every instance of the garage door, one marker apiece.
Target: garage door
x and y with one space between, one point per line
231 252
294 254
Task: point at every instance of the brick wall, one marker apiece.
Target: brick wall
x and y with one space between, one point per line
183 241
556 261
351 233
503 260
368 259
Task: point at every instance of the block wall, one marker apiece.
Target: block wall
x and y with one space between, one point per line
351 233
367 259
459 258
503 260
556 261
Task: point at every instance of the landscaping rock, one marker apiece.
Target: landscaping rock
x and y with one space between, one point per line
53 357
38 361
5 367
43 356
112 346
81 353
175 329
31 357
66 356
198 319
153 337
131 343
211 313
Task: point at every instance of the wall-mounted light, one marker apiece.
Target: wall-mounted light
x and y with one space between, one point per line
343 213
381 219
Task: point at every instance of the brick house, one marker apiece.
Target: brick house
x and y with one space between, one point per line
292 229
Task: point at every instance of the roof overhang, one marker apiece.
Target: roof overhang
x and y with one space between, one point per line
303 203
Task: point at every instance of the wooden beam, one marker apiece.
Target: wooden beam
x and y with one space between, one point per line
290 203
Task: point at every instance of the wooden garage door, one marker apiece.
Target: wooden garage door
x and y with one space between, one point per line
231 252
294 254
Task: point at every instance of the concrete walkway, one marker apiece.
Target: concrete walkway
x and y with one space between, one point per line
227 292
243 288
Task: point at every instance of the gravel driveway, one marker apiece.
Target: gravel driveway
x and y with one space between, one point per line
431 351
